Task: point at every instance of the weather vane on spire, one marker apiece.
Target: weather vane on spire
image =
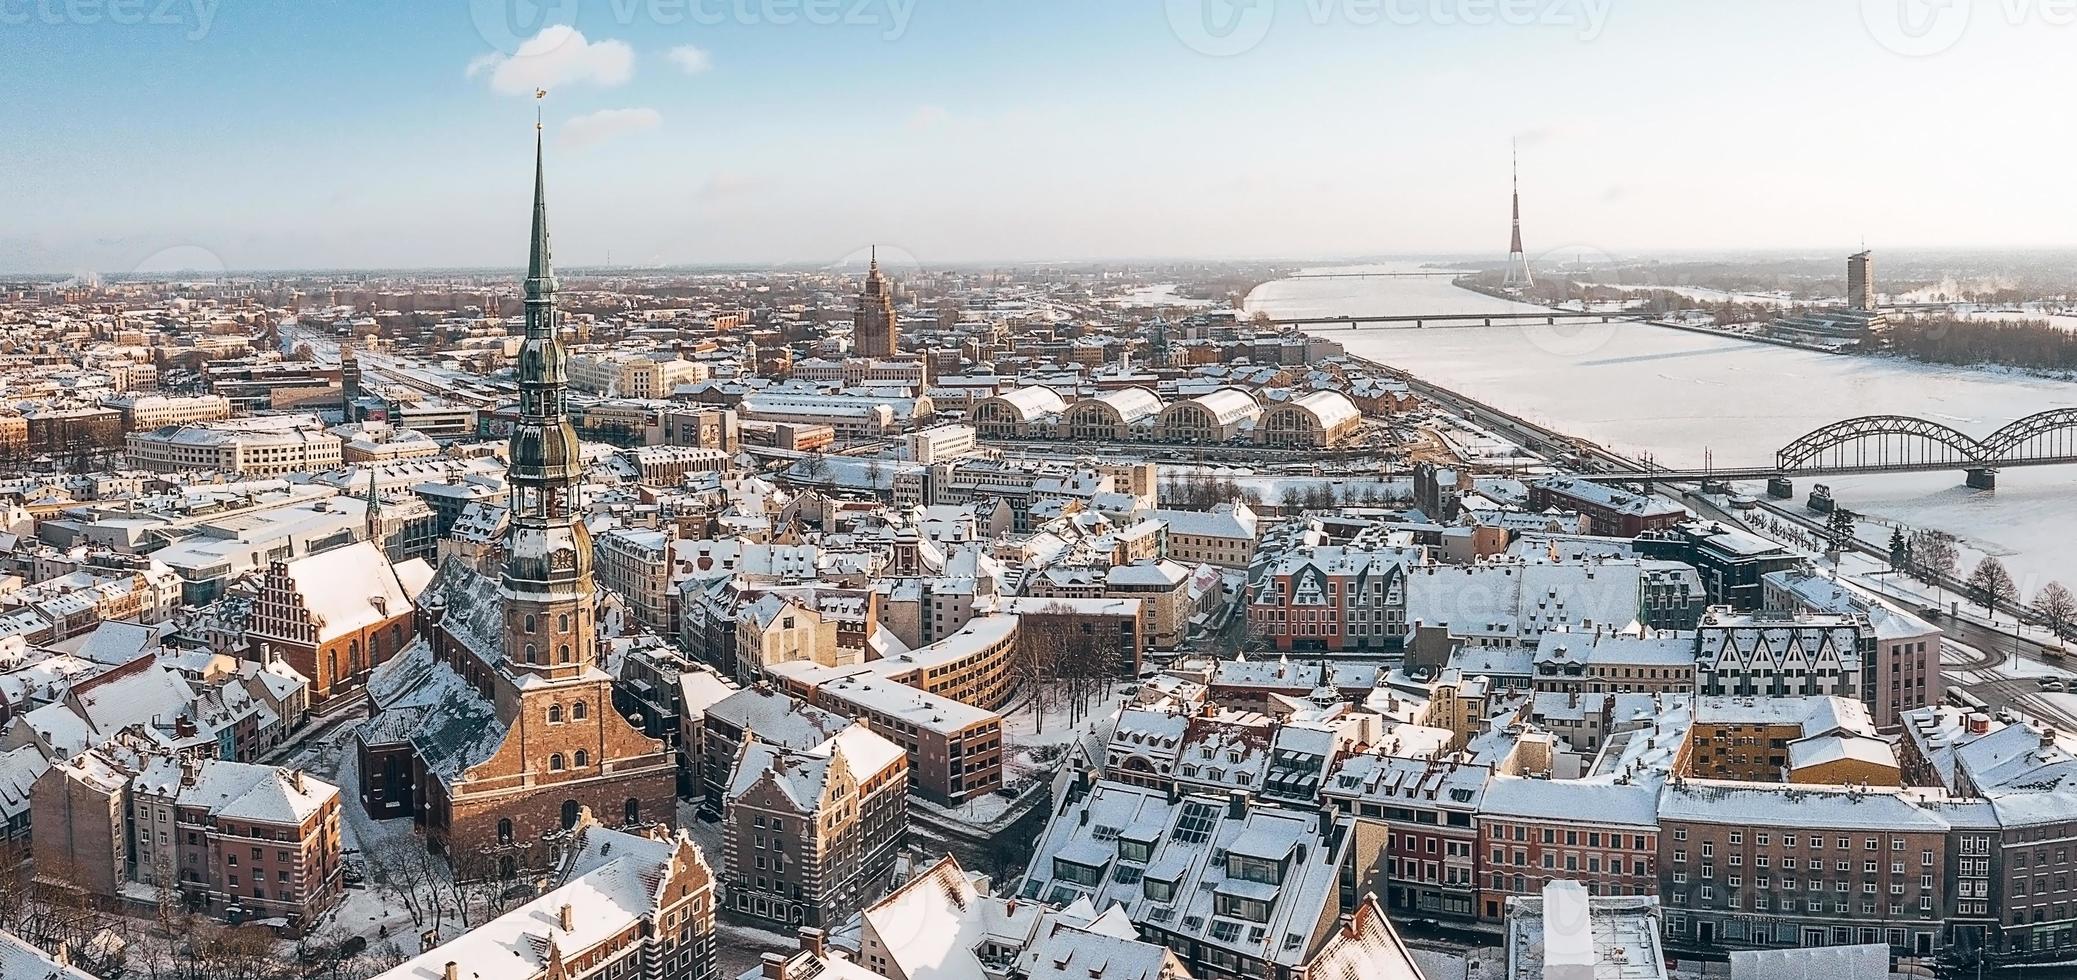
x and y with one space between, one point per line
539 94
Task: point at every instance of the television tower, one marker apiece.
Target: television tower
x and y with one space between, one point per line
1517 260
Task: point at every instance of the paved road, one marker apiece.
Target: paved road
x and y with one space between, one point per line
1991 646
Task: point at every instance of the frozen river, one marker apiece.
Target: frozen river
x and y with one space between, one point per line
1642 389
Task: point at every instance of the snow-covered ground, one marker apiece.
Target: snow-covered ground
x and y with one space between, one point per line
1637 388
1161 295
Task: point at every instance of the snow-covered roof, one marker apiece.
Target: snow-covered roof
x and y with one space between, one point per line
21 961
1183 842
347 589
936 924
1809 807
611 883
1223 521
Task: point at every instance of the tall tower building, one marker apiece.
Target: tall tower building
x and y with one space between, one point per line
547 576
1860 280
873 329
499 729
1517 260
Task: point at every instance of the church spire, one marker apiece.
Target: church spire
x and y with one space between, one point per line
374 512
540 277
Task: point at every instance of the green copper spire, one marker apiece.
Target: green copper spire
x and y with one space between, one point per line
540 279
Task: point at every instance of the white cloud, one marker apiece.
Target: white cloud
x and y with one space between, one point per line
606 124
557 55
692 59
927 117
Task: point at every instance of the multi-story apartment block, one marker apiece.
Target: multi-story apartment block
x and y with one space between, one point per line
240 840
1754 865
1907 648
1225 536
1620 663
271 445
1331 598
626 374
1414 838
635 562
1827 654
1608 511
810 837
1237 891
258 840
142 412
1535 831
955 749
1732 562
758 713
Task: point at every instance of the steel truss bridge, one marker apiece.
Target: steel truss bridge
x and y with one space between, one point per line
1902 444
1319 324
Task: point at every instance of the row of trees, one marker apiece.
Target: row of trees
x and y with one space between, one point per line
173 942
1953 340
1932 556
1067 664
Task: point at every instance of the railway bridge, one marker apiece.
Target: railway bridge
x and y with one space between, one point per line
1901 444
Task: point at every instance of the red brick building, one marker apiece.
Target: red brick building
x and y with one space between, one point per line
1610 511
334 616
499 731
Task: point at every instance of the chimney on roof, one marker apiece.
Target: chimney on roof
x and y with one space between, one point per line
1236 805
295 778
1979 723
773 966
811 941
453 971
566 917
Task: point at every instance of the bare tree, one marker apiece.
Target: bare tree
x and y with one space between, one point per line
1934 555
1990 584
399 871
224 952
1035 664
2058 607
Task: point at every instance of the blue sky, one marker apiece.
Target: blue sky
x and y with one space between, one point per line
331 134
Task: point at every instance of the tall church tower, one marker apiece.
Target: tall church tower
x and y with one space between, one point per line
873 330
547 580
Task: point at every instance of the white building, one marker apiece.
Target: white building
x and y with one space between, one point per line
628 374
271 445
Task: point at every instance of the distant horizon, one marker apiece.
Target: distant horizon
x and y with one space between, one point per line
1124 263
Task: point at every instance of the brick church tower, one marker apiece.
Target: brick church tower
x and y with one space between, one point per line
500 730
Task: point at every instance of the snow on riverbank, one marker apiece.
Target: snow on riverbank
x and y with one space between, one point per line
1638 389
